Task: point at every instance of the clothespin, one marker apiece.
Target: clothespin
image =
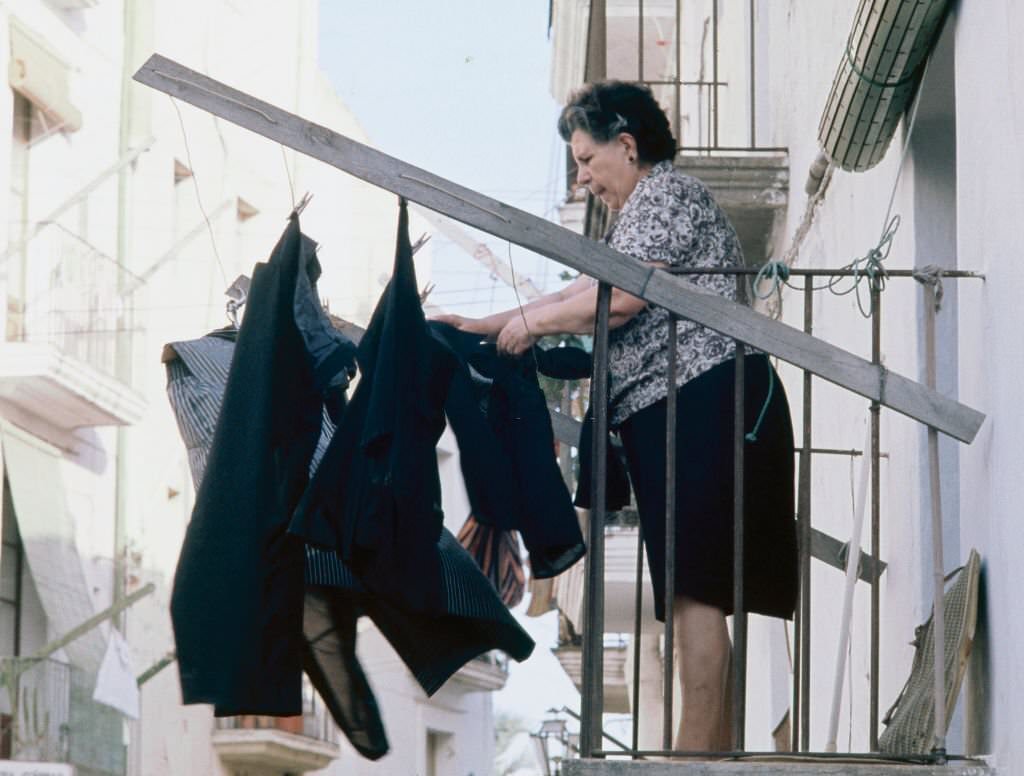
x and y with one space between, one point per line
236 293
426 292
423 239
297 210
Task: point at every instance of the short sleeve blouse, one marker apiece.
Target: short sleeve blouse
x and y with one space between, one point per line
670 217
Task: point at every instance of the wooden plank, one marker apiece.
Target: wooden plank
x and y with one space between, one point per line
596 259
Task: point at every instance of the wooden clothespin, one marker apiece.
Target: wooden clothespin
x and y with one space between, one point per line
297 210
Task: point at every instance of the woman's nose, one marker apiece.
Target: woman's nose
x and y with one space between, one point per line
582 176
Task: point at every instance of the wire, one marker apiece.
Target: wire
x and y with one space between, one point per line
288 174
519 302
195 183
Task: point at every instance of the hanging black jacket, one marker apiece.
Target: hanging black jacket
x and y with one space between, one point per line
500 419
237 600
376 498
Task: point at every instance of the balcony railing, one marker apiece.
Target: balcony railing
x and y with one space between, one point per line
314 722
594 614
35 707
71 298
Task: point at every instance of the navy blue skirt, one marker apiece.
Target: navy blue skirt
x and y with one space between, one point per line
704 490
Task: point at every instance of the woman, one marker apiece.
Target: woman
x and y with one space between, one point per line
624 149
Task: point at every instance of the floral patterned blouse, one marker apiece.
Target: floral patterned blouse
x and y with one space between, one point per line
670 217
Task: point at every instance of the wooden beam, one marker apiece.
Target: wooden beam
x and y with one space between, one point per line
593 258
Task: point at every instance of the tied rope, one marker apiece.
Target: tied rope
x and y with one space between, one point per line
931 275
869 266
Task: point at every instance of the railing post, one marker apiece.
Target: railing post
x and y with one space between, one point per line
802 632
592 693
739 621
876 358
638 603
938 563
670 534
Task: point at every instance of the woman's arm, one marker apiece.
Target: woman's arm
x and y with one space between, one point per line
574 315
492 325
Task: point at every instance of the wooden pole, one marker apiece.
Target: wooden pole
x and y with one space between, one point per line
836 365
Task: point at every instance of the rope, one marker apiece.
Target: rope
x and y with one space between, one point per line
931 275
869 266
752 436
775 272
774 298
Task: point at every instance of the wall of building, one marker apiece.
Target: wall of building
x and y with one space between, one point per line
152 223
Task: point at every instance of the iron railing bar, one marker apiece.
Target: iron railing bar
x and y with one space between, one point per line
938 562
640 41
795 272
804 513
668 661
739 620
749 149
592 694
753 77
713 102
672 82
679 71
638 602
778 757
876 358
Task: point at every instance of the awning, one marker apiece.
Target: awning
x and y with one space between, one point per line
879 72
39 73
48 537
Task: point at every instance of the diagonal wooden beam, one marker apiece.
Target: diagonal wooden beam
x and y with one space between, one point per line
827 361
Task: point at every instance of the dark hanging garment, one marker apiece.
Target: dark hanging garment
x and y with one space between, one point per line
376 498
500 419
197 372
237 605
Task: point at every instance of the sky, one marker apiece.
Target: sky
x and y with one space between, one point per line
462 89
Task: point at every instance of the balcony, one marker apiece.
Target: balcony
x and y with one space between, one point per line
269 745
58 366
35 708
484 673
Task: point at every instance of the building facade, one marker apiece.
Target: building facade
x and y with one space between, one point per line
129 216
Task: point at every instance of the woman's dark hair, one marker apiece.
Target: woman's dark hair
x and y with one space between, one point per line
605 109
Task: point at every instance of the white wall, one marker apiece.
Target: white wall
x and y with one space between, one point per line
959 199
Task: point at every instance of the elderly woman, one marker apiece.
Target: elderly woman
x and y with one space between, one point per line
624 150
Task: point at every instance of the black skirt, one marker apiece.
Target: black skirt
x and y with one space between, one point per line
704 490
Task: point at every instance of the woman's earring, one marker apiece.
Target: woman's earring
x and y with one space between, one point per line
631 160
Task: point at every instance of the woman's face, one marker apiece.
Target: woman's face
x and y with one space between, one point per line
605 168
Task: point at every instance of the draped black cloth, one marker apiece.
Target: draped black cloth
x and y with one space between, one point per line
376 498
500 419
237 601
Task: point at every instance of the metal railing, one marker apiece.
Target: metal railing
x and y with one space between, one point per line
315 721
591 689
702 70
35 709
71 297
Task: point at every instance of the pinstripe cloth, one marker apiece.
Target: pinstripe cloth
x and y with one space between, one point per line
432 647
195 389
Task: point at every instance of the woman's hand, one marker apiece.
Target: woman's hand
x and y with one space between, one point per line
515 338
462 323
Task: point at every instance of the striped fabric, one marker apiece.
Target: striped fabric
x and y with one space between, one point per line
496 552
195 388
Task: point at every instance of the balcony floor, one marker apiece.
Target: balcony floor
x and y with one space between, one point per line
770 766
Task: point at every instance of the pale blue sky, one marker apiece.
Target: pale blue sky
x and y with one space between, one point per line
461 89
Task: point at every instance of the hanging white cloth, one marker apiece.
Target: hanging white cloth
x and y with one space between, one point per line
116 685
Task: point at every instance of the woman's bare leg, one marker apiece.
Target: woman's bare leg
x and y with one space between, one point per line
704 649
